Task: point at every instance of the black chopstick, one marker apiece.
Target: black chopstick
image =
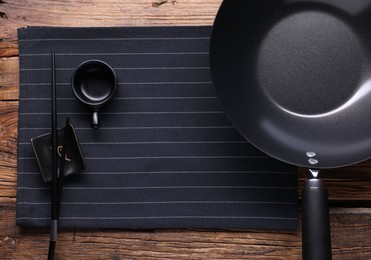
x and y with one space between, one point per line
62 164
54 197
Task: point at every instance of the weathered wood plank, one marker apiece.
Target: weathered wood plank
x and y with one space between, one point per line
8 148
9 78
99 13
351 235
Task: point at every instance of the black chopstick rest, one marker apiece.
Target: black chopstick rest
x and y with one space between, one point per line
74 160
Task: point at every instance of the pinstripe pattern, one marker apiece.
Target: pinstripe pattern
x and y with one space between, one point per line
166 155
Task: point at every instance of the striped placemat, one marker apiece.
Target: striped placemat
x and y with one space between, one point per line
166 155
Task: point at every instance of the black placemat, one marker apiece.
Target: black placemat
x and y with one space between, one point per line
166 155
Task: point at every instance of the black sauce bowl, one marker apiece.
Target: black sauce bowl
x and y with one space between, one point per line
94 83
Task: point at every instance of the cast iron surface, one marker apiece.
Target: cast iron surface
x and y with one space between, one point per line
294 77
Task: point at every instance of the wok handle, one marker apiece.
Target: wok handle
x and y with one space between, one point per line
316 236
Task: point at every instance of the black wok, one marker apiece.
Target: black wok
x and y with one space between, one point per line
294 77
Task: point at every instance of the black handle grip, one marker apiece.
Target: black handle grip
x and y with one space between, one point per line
316 235
51 251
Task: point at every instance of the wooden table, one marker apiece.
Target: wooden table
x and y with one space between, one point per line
349 188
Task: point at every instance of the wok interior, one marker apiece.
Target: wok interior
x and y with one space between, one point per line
294 79
309 57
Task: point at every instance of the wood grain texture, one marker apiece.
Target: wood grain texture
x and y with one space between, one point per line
9 78
351 237
99 13
8 149
351 227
